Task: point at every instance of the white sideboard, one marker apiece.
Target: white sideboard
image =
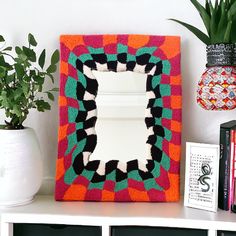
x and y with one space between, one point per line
44 210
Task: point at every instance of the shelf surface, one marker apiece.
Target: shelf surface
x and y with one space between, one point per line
46 210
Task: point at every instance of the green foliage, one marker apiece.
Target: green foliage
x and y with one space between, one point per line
204 38
21 81
219 20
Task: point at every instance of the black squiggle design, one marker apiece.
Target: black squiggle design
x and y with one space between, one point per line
206 170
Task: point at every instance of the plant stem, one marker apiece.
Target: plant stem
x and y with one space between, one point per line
4 53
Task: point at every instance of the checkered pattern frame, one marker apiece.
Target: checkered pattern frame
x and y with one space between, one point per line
77 178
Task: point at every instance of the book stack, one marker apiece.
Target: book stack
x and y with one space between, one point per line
227 171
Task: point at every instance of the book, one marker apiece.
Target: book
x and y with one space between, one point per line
224 169
233 203
231 175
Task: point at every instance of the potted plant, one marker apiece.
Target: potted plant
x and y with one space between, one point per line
22 76
217 89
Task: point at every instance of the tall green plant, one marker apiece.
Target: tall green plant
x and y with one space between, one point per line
22 76
219 20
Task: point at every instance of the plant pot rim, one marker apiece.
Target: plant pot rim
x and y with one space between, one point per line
224 66
220 54
212 44
25 128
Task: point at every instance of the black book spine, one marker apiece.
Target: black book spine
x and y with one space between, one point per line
224 172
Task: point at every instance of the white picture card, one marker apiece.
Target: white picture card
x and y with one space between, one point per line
201 176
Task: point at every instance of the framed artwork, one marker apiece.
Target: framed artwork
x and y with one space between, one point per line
78 178
201 176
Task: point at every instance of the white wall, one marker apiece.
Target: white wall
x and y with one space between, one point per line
48 19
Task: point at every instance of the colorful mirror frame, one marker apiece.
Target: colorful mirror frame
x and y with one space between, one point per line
77 178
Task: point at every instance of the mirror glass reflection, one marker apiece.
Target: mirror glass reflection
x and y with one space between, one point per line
120 127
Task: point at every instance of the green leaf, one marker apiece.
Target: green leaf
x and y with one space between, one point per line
207 7
2 71
27 79
2 39
203 13
40 88
39 80
203 37
25 88
42 58
213 27
2 60
17 110
232 11
221 26
227 3
233 32
4 94
42 105
55 57
46 106
228 32
18 60
32 73
18 50
39 108
211 7
32 40
52 69
5 64
19 71
4 99
51 77
31 55
50 96
218 14
22 58
17 93
54 90
10 78
7 49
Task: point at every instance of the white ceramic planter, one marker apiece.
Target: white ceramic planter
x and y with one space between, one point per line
20 166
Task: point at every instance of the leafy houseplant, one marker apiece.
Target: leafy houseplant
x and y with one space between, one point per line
217 87
22 76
